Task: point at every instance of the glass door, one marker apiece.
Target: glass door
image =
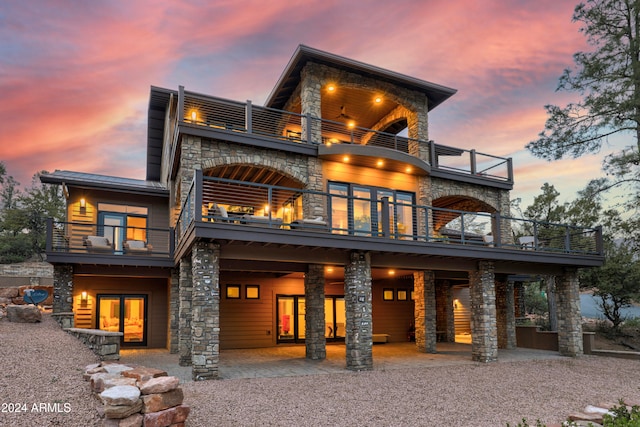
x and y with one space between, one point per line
113 226
286 316
335 318
362 221
126 314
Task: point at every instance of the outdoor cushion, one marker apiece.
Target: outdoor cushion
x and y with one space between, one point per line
97 242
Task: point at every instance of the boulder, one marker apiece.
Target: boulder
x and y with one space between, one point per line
159 385
175 415
583 416
160 401
142 373
116 368
5 301
96 382
9 292
134 420
112 382
120 395
24 314
122 411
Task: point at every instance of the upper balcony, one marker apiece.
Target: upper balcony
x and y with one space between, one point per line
251 215
333 139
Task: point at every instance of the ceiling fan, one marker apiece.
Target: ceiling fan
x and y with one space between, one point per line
343 114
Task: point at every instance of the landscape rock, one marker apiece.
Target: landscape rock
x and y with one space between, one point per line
134 420
171 416
96 382
116 368
583 416
142 373
9 292
122 411
120 395
24 314
5 301
113 382
160 401
159 385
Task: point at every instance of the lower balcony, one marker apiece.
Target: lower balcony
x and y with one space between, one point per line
80 242
240 211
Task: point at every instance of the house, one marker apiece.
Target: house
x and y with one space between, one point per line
325 215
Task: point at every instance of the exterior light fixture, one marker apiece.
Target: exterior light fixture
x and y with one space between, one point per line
194 116
345 159
329 269
331 88
351 124
377 99
380 163
392 272
83 296
408 169
83 203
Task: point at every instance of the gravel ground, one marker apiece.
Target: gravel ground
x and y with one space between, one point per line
42 364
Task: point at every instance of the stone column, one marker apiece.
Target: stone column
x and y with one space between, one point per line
451 321
62 288
315 339
359 327
205 309
184 312
424 286
569 317
484 335
311 102
505 315
63 295
174 310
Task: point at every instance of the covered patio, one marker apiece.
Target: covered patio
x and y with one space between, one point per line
289 360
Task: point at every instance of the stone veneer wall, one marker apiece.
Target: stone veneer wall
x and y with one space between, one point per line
22 273
315 340
359 326
105 344
505 315
424 285
174 310
205 309
62 288
484 340
445 321
184 312
569 318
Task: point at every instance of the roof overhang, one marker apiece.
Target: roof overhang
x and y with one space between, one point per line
104 182
290 78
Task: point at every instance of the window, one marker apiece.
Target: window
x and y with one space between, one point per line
252 291
233 292
120 223
357 210
387 294
402 294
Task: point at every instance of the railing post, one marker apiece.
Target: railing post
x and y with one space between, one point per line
535 235
462 228
510 169
567 240
248 117
197 188
427 235
172 241
180 113
384 216
472 155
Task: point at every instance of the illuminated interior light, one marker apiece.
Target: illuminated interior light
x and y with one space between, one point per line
194 116
329 269
266 209
392 272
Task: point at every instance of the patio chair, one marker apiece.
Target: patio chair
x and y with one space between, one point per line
527 242
97 244
137 247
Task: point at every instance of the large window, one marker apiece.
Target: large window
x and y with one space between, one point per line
120 223
357 209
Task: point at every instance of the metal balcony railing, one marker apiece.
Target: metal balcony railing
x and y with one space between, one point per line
92 238
232 116
248 204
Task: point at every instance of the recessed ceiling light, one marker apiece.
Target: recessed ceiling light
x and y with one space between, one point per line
345 159
378 99
380 163
331 88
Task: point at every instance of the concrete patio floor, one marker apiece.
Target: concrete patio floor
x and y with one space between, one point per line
289 360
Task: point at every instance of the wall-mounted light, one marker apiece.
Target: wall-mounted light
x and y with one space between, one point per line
83 203
194 116
455 303
83 296
331 87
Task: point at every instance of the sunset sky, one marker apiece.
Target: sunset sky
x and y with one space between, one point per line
75 76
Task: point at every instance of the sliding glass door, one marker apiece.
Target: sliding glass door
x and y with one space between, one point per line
291 318
126 314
